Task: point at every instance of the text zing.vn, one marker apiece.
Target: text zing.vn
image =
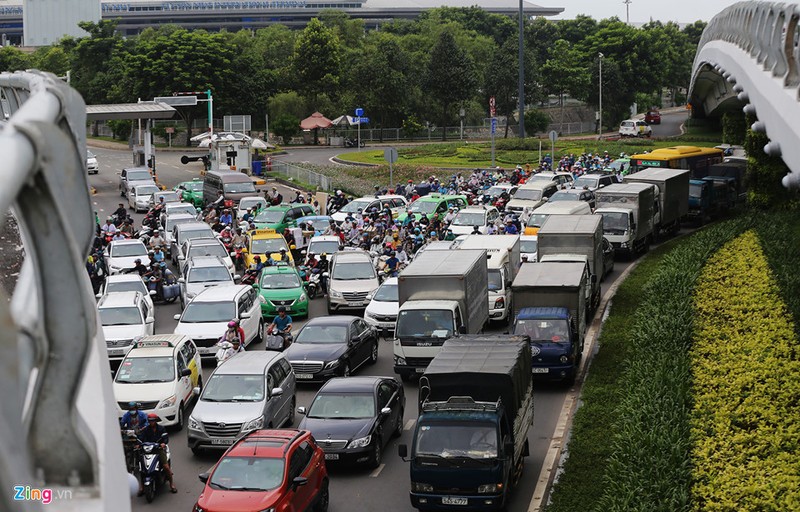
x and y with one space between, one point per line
46 496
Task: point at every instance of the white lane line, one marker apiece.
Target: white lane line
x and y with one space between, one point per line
410 424
377 471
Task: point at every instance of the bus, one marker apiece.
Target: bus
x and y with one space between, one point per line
694 158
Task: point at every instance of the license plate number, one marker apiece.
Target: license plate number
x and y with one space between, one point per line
420 370
304 375
452 500
222 441
116 351
331 456
541 370
355 304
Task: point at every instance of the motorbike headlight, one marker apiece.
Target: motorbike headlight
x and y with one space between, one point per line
254 424
361 442
193 423
167 402
335 294
488 488
115 268
331 364
420 487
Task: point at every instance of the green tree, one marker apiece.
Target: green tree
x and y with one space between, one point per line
285 127
450 77
502 80
694 32
316 60
13 59
563 73
577 29
287 104
96 69
536 121
51 58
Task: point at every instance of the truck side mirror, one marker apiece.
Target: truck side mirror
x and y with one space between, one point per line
462 329
402 451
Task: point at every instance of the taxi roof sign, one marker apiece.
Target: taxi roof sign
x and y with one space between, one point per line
263 231
153 344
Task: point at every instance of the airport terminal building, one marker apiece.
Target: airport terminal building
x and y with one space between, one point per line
232 15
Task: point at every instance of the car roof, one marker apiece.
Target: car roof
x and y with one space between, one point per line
180 215
573 191
332 320
389 282
192 226
324 238
196 242
220 292
118 299
392 196
279 207
279 269
504 185
265 443
355 255
249 363
143 185
351 384
476 209
135 241
123 278
206 261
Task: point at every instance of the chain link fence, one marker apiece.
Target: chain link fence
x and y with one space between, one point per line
300 175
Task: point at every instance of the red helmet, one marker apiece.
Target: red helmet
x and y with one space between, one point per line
152 417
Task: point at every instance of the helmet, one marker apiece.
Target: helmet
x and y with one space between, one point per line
257 257
392 253
433 233
231 324
137 260
323 255
163 264
153 417
283 249
132 406
339 192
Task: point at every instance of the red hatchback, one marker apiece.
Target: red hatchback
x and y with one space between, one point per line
653 117
275 470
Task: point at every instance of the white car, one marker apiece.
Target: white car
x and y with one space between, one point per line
206 247
328 244
170 197
206 317
124 316
187 231
256 203
382 309
125 283
494 191
203 272
170 221
635 128
529 246
92 167
397 204
160 373
129 178
468 218
140 197
122 254
560 178
179 209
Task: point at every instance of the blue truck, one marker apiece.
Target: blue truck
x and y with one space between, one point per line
711 197
476 405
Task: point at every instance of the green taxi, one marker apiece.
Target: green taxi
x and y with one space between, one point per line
281 286
282 216
432 204
191 192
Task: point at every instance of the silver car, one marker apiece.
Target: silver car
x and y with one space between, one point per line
140 196
202 272
249 391
352 281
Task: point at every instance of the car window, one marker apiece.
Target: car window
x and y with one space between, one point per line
363 326
181 363
276 376
287 368
385 393
300 459
243 306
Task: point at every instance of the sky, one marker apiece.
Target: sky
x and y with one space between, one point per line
682 11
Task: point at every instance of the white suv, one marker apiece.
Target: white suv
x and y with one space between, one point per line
206 317
352 281
124 316
635 128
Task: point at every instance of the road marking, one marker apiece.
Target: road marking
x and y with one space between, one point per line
377 471
410 424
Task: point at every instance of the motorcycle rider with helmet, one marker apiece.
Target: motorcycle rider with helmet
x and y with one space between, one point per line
155 433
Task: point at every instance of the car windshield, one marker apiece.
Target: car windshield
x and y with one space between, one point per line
130 315
147 190
142 370
342 406
181 208
208 274
279 281
496 191
469 219
528 246
420 206
127 250
244 204
541 177
322 334
328 247
351 271
549 330
387 293
495 280
234 388
448 440
191 234
587 181
268 245
239 187
425 323
197 312
173 221
139 176
207 250
126 286
193 186
353 206
615 223
169 197
270 216
247 474
89 154
564 196
537 219
529 194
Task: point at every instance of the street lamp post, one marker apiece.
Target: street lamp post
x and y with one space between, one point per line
600 106
461 114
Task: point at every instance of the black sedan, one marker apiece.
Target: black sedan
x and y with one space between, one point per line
332 346
354 418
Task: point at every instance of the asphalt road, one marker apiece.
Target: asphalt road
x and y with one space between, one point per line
670 124
352 489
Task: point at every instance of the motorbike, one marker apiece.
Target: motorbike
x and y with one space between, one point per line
130 446
237 254
224 352
249 277
352 143
310 281
144 235
167 293
278 340
152 472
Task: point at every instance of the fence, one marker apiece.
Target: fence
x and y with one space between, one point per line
302 175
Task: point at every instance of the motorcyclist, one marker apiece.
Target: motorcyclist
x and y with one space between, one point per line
137 268
323 265
108 228
281 325
392 264
311 261
158 254
120 213
283 258
127 227
133 418
226 218
155 433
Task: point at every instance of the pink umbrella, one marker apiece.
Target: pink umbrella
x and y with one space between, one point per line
316 120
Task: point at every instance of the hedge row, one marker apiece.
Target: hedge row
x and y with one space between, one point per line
744 423
649 469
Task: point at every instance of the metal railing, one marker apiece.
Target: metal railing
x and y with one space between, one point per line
303 176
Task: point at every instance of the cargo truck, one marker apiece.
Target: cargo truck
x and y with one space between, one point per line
471 437
627 211
711 197
537 218
441 294
550 308
503 260
672 196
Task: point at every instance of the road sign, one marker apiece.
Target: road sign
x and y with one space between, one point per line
494 125
553 135
169 129
359 112
390 155
361 120
492 107
177 101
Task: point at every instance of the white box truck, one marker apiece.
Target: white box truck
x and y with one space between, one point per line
627 211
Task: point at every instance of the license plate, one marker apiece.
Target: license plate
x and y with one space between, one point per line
331 456
420 370
541 370
222 441
304 375
116 351
452 500
355 304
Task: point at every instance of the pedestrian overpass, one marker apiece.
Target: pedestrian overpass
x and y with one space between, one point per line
748 58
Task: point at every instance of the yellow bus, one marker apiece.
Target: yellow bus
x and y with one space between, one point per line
694 158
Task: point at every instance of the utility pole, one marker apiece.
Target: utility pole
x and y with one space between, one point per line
521 92
600 106
627 10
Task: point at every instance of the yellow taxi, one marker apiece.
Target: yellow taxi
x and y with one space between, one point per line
266 243
161 373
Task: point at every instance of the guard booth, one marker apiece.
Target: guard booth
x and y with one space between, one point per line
230 151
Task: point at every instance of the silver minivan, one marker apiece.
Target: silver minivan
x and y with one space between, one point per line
352 281
249 391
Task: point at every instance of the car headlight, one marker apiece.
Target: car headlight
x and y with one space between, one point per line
261 299
420 487
623 245
367 314
488 488
302 298
167 402
331 364
193 423
370 295
335 294
399 361
190 296
254 424
361 442
564 359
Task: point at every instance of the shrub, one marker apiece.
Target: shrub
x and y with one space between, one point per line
746 455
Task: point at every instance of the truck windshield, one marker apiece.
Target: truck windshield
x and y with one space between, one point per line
495 280
457 439
695 191
425 323
549 330
615 223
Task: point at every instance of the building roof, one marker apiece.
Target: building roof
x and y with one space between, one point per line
129 111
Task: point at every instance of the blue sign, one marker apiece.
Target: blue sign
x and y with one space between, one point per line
359 112
494 125
362 120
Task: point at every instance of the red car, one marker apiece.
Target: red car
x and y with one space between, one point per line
276 470
653 117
